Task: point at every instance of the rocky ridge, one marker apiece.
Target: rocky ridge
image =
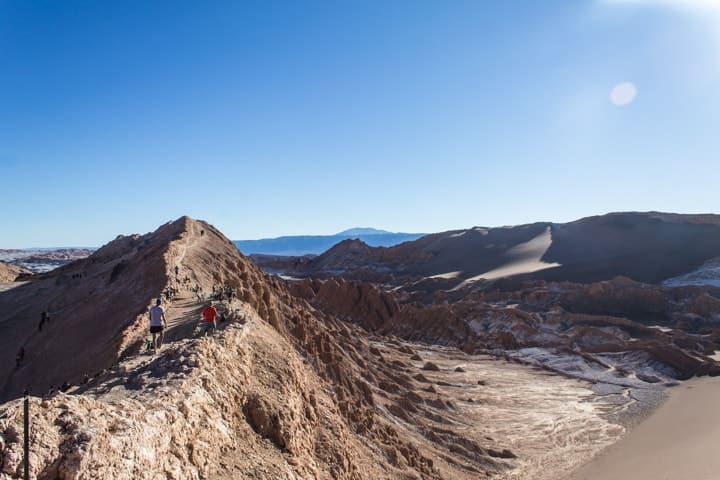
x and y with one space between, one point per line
294 392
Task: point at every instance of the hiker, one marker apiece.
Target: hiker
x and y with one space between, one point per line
157 324
43 319
177 270
202 232
209 315
19 357
65 386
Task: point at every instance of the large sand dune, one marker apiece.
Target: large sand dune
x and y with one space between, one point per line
679 441
521 259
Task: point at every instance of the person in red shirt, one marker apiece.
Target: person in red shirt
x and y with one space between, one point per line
209 314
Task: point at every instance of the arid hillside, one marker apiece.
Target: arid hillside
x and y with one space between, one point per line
648 247
283 390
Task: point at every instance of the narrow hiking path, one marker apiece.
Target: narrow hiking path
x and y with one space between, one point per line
183 312
183 316
190 242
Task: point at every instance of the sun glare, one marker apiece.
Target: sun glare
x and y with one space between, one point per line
623 94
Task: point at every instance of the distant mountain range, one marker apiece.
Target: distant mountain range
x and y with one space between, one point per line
296 245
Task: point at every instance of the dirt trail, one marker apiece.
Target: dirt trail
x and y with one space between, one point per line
183 313
190 242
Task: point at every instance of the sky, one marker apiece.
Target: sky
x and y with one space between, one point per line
271 118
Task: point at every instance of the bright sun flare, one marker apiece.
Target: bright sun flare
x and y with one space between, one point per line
623 93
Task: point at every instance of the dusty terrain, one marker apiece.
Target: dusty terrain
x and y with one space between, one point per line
329 378
284 390
237 406
579 330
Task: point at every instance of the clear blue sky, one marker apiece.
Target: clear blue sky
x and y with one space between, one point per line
269 118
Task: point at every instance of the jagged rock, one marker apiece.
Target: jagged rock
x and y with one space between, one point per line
10 273
648 378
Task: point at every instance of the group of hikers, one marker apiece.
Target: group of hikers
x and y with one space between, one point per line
214 312
158 322
210 314
221 293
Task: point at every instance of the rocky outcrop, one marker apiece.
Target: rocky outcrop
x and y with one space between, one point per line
570 317
357 302
10 273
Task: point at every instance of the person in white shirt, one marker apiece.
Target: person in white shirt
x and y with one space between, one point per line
157 324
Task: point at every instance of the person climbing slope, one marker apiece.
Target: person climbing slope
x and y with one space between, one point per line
157 324
19 357
209 314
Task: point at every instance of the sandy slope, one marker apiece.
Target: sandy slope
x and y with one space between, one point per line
679 441
523 258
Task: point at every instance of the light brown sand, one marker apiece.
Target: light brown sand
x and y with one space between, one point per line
680 441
